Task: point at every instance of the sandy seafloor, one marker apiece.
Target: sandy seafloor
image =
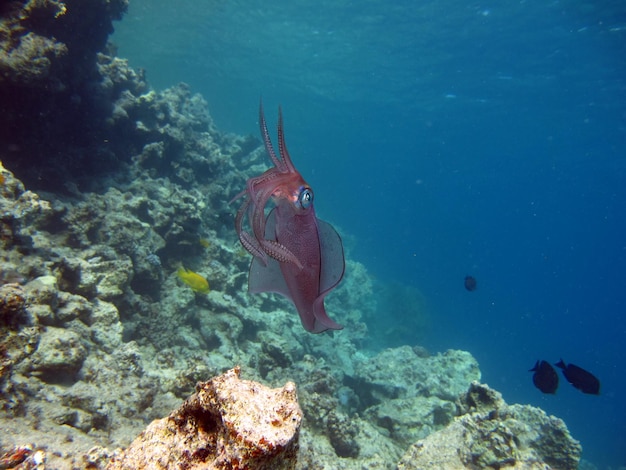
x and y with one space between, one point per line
108 187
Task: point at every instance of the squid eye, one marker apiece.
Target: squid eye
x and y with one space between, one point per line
305 199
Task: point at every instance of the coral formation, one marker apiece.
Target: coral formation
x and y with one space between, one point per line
492 434
227 423
56 89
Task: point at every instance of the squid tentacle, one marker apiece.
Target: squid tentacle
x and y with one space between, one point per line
267 140
282 146
280 252
253 247
257 194
248 241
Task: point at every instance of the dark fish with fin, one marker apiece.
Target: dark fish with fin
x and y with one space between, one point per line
470 283
545 377
584 381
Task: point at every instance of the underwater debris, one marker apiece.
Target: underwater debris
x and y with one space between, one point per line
194 280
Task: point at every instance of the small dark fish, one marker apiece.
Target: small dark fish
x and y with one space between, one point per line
584 381
545 377
470 283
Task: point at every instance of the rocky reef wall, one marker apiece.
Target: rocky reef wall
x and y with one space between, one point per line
57 89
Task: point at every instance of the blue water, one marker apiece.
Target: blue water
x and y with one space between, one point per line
449 138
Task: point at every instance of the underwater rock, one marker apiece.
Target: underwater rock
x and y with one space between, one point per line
479 399
318 392
43 290
104 321
409 419
59 356
96 276
403 393
16 340
22 212
49 82
275 353
227 423
12 302
401 373
31 60
98 319
341 433
492 434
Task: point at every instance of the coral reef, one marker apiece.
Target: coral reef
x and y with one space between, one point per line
227 423
99 336
492 434
56 89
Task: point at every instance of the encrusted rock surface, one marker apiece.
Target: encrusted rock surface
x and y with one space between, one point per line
493 435
227 423
409 395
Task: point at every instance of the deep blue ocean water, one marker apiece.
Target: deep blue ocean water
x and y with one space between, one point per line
447 138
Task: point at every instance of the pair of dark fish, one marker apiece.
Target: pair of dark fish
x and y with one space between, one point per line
546 379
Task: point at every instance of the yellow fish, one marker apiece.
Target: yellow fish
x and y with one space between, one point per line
204 242
194 280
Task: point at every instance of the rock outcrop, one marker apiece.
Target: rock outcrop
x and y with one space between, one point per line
493 435
227 423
